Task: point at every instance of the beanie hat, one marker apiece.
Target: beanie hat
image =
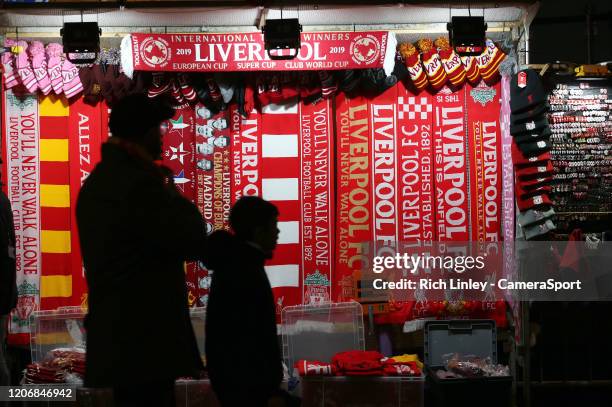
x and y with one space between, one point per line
24 68
289 89
39 65
213 89
109 86
400 72
92 79
412 60
526 91
351 81
186 89
533 201
535 148
11 78
451 61
520 159
249 99
489 61
432 63
531 173
329 87
55 53
534 216
523 193
530 126
531 114
175 91
159 84
71 82
543 134
536 183
226 87
471 69
539 229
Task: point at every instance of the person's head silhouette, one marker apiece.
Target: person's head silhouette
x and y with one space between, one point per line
137 118
256 220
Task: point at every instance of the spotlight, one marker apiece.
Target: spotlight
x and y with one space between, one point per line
467 35
81 38
280 35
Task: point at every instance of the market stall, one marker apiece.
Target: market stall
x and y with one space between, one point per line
377 132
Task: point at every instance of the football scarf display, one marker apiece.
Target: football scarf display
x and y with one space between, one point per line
415 166
281 175
178 156
484 131
213 179
87 131
21 175
451 167
354 193
317 192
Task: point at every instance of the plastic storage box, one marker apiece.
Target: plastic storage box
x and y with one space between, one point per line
60 328
321 391
198 321
466 337
318 332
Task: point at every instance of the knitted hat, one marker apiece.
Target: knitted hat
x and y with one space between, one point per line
526 91
542 134
36 50
530 114
535 124
535 148
520 159
539 229
541 200
534 216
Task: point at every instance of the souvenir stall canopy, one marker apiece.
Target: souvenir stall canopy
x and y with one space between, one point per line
409 22
349 153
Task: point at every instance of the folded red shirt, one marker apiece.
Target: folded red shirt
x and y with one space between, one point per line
401 369
315 368
358 362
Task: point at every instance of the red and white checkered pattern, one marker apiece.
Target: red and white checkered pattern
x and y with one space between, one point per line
412 106
280 184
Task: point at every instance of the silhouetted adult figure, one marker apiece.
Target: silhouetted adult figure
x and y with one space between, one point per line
136 230
242 350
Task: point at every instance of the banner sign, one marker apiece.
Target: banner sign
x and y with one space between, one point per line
354 192
246 52
415 158
87 131
246 154
179 156
22 178
483 108
451 168
317 194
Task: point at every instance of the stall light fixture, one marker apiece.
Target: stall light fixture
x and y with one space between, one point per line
81 38
281 35
467 35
